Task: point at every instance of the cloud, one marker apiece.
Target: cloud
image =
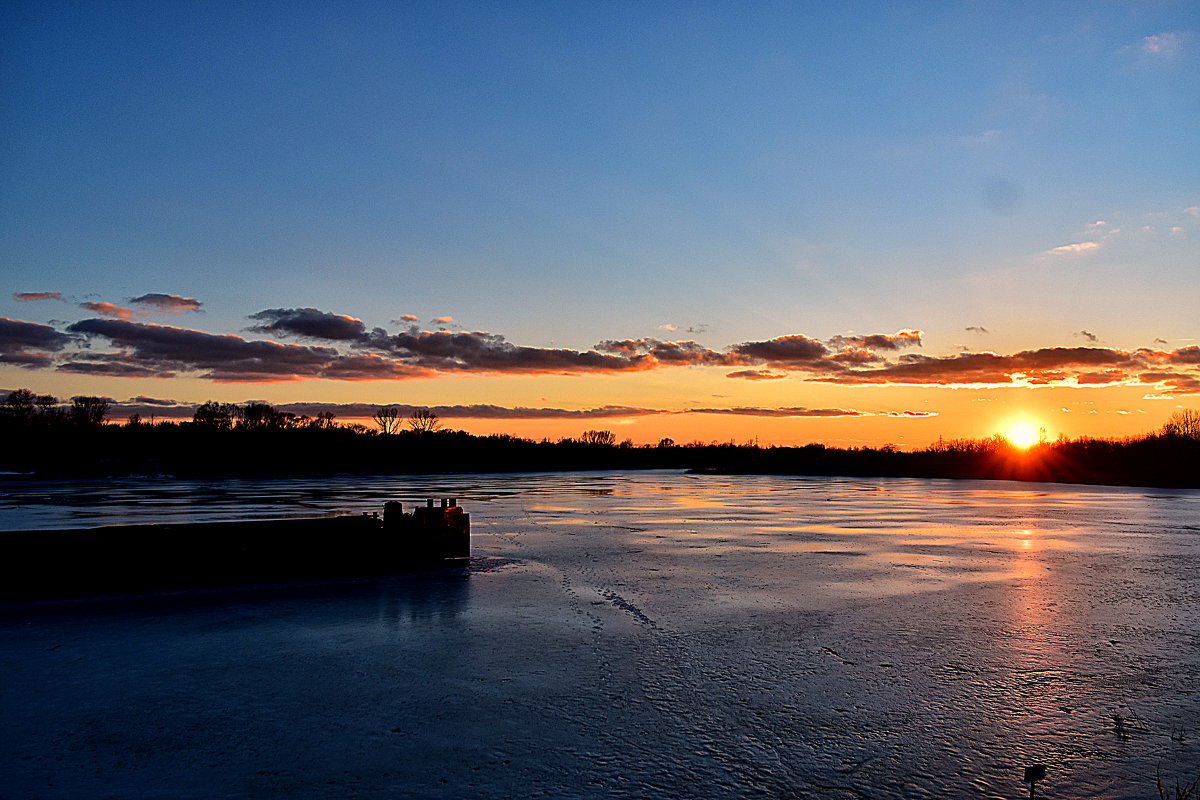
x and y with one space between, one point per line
27 296
479 351
164 350
1172 383
1101 378
1091 337
446 320
982 139
751 411
167 303
114 365
521 412
344 350
879 341
28 344
1185 355
308 322
406 318
108 310
1076 249
151 401
977 329
794 350
666 326
1040 366
1163 45
670 353
757 375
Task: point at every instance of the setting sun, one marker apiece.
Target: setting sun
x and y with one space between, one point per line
1023 434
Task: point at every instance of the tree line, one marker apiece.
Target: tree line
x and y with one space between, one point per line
48 438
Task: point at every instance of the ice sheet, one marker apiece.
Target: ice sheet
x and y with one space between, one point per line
644 635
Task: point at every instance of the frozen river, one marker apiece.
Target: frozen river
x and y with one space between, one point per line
633 635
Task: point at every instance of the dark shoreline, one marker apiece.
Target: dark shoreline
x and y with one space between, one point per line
189 450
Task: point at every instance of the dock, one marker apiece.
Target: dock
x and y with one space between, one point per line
121 559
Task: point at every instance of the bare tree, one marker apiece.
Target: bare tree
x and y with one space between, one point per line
388 419
88 410
606 438
423 421
1184 423
322 422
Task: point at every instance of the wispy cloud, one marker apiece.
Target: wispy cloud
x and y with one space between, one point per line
752 411
108 310
757 375
1075 249
1164 45
28 296
170 409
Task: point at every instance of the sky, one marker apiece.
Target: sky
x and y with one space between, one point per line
859 224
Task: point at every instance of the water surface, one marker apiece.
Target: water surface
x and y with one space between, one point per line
634 635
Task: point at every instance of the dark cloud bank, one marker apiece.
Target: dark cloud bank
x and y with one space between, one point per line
315 344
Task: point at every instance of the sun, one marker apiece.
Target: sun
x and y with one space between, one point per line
1023 434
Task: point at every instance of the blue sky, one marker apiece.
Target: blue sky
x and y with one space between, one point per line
564 174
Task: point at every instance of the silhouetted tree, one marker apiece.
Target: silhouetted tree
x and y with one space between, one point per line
1184 423
322 422
261 416
48 409
388 419
88 411
606 438
18 406
216 415
423 421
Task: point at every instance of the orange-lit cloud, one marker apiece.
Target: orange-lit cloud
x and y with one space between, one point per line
879 341
27 296
342 348
779 412
108 310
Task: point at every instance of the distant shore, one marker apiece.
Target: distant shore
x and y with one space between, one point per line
46 441
188 450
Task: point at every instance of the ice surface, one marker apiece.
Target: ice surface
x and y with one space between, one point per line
642 635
